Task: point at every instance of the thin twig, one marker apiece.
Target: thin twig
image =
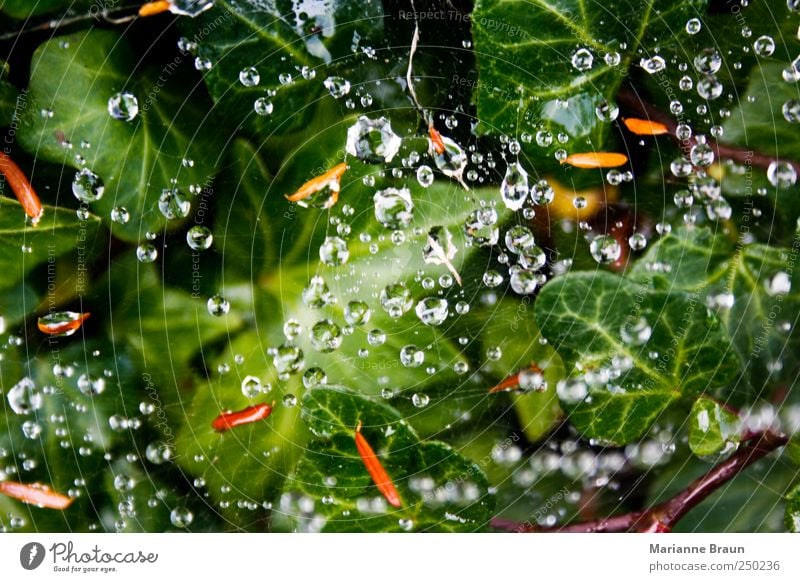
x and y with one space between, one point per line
663 516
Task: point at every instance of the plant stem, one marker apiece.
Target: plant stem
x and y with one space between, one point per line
663 516
638 106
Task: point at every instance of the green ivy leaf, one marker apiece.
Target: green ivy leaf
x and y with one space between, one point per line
525 54
137 160
759 281
286 41
23 247
8 100
440 490
712 428
634 349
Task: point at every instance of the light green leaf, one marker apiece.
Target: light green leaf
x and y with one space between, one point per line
713 428
23 247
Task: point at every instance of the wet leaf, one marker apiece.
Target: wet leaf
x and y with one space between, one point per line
793 510
23 247
169 143
635 350
545 67
440 490
752 288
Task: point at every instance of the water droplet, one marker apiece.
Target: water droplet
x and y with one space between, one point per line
87 186
791 111
708 61
523 281
605 249
635 331
218 306
181 517
263 106
582 60
781 174
317 294
514 188
424 176
314 377
394 208
420 400
411 356
120 215
653 65
24 397
519 238
372 140
199 238
779 284
333 251
338 87
326 336
764 46
251 386
432 310
288 359
249 77
606 111
396 299
357 313
146 253
91 385
174 204
123 106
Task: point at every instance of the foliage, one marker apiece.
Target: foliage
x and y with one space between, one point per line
611 333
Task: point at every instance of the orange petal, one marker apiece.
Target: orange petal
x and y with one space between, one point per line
645 126
153 8
596 160
513 380
375 469
436 140
22 188
63 323
330 178
35 495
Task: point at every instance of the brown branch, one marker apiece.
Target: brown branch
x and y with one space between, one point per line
663 516
634 103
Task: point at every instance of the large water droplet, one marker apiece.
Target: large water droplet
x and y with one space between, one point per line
372 140
87 186
514 188
123 106
394 208
605 249
432 310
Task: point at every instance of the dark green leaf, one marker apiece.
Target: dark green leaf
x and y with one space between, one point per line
137 160
793 510
759 281
439 489
635 350
528 82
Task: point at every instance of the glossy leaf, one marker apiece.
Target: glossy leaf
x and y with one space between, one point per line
547 66
168 140
635 350
439 489
747 286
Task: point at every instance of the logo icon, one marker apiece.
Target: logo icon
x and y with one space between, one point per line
31 555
